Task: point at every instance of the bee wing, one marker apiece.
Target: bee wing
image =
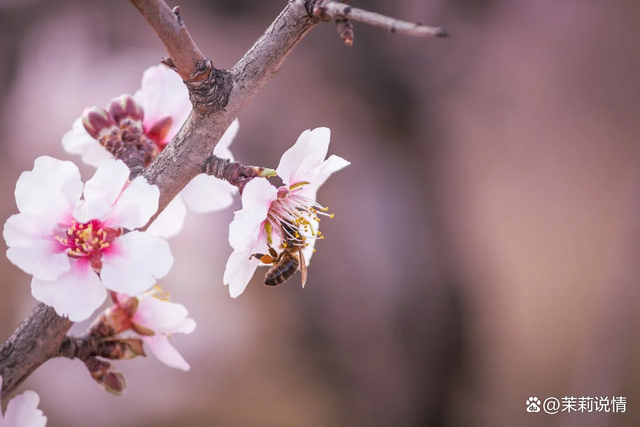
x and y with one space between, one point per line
303 266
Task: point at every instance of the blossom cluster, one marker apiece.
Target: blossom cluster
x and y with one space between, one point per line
81 242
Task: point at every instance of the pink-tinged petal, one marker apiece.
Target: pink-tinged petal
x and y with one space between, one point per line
187 326
165 352
78 141
163 94
22 411
86 210
245 228
170 221
77 293
328 167
324 171
32 247
108 181
222 148
207 193
160 315
299 163
136 205
136 261
238 271
52 187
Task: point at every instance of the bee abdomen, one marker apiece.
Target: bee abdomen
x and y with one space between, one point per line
282 271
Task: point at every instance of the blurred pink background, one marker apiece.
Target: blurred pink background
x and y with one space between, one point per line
486 243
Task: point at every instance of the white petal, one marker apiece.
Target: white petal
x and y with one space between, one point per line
328 167
165 352
53 187
171 219
77 293
207 193
108 181
160 315
22 411
187 326
32 247
238 271
136 205
78 141
86 210
299 163
323 172
163 94
222 148
137 260
246 226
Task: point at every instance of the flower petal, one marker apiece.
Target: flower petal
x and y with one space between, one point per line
77 293
136 205
163 94
22 411
238 271
187 326
32 247
78 141
299 162
160 315
137 260
207 193
108 181
323 172
328 167
171 219
245 228
222 148
165 352
52 187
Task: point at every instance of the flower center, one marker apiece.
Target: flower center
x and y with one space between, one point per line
88 240
293 216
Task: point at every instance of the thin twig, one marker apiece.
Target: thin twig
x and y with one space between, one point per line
184 56
340 11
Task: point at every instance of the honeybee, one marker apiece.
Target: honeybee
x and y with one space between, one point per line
285 264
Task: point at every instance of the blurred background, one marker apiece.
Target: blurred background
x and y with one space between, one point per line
486 244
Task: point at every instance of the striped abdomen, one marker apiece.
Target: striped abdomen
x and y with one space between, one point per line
283 270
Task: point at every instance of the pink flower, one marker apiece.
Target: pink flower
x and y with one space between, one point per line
75 248
22 411
154 114
153 318
282 217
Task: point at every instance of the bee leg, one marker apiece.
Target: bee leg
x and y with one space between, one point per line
265 259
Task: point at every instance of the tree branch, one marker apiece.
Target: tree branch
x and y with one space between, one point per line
332 10
218 98
36 340
185 57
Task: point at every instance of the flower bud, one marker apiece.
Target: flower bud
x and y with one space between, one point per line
106 376
95 120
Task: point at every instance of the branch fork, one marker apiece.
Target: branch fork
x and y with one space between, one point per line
218 97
